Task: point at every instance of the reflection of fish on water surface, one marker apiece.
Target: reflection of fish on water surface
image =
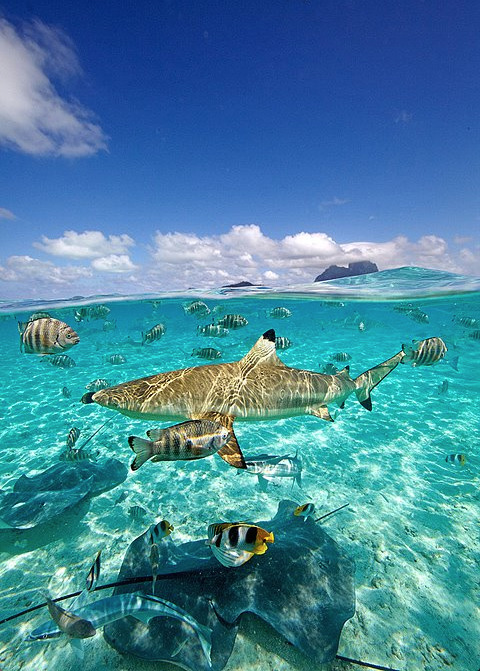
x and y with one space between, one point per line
257 387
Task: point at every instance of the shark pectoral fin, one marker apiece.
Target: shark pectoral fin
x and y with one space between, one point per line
322 412
231 452
77 647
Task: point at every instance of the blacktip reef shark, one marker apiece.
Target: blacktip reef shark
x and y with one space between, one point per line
257 387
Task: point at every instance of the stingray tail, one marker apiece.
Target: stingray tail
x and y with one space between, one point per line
143 450
367 381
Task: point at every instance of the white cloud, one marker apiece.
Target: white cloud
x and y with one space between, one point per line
26 268
462 239
402 116
86 245
6 214
334 202
114 263
34 118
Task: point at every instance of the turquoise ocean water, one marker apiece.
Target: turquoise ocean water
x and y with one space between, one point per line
412 524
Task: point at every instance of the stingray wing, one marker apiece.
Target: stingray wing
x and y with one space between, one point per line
231 452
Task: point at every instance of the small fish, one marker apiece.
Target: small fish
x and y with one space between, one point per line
458 459
90 312
213 330
39 315
96 385
475 335
233 544
155 333
93 575
361 326
157 532
72 437
418 316
66 392
443 388
197 308
307 510
281 342
46 336
269 467
61 361
469 322
137 512
116 359
194 439
209 353
341 356
76 455
329 369
109 325
280 313
424 352
333 304
156 304
404 307
232 321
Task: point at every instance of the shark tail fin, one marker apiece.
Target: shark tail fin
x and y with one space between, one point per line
368 380
143 450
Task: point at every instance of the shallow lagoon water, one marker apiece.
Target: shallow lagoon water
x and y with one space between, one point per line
413 519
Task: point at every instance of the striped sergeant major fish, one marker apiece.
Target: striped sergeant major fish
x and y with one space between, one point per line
197 308
87 619
189 440
155 333
209 353
213 330
89 312
232 321
307 510
46 336
235 543
280 313
424 352
270 467
72 437
282 342
61 361
468 322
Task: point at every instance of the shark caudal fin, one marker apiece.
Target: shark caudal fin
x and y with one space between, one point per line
231 452
367 381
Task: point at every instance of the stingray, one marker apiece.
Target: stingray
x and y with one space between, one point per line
51 494
303 586
257 387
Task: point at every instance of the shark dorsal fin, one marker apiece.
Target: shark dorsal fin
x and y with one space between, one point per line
263 352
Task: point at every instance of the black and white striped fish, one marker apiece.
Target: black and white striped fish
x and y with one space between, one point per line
235 543
89 312
137 512
156 534
474 335
109 325
468 322
281 342
46 336
341 356
155 333
232 321
39 315
209 353
197 308
424 352
74 455
72 437
418 316
61 361
213 330
307 510
96 385
280 313
116 359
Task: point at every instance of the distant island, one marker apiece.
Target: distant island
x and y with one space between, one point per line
355 268
244 283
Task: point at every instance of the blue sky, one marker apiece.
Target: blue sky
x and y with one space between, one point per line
160 145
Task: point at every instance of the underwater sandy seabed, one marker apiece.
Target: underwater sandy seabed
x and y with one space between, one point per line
412 525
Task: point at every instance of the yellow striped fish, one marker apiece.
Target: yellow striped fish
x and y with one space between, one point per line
235 543
307 510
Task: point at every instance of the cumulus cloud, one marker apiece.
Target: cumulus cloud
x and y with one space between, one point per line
6 214
114 263
86 245
24 268
34 117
